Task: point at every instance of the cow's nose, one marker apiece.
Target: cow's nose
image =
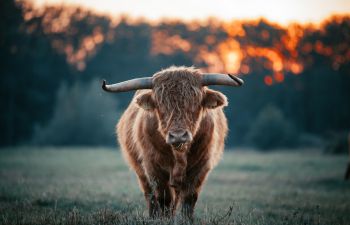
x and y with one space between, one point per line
178 137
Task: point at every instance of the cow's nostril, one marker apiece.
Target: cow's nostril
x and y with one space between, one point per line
185 135
178 137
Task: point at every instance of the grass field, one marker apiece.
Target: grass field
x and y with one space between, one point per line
94 186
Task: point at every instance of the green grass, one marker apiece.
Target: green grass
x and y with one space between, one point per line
94 186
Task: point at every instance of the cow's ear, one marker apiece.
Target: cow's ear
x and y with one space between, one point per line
213 99
146 101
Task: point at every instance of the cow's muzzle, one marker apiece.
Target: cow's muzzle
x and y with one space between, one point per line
177 138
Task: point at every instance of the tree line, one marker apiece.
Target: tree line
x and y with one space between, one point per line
297 77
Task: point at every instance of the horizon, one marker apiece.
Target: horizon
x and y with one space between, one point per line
272 10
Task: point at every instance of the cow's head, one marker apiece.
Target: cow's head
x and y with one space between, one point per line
178 97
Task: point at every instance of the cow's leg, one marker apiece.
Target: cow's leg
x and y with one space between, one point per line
131 155
176 199
189 203
146 188
164 198
144 182
149 195
194 182
162 195
161 199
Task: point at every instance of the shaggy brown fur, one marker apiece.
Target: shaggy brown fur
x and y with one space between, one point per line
167 174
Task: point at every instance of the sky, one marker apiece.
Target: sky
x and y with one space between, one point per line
281 11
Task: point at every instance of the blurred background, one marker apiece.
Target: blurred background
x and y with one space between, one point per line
294 58
59 162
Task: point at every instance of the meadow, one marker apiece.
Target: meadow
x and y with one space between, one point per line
95 186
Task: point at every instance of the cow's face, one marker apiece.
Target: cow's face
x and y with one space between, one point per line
178 100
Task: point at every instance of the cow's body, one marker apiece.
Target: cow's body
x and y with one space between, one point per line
166 174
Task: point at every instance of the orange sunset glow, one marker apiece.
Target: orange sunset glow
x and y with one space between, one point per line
284 11
245 39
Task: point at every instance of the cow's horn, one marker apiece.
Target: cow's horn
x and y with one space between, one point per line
221 79
129 85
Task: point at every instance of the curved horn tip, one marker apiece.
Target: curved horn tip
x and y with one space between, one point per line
237 79
104 85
